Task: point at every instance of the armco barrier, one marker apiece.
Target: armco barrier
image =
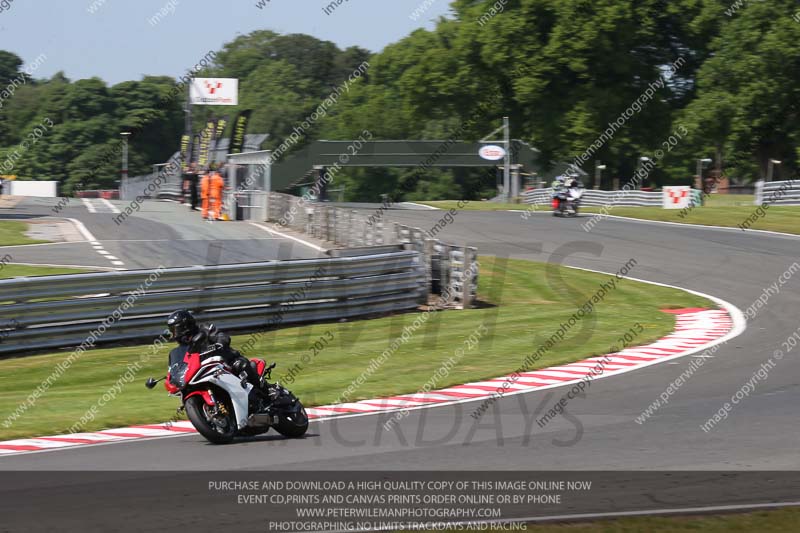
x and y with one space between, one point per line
451 270
61 311
343 227
778 192
591 197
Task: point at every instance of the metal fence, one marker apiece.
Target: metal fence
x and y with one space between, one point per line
59 311
249 205
338 225
591 197
165 181
452 271
778 192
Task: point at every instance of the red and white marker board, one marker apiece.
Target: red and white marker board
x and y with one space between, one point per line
677 197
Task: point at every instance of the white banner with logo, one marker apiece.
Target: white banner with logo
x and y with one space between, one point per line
677 197
214 91
492 152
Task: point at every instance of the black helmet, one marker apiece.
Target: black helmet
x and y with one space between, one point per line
182 326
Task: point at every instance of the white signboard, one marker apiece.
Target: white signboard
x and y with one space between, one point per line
677 197
214 91
45 189
492 152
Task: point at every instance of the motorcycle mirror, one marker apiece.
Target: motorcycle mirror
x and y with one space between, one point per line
151 383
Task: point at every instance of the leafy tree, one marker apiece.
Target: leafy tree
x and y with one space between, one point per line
10 65
747 103
563 71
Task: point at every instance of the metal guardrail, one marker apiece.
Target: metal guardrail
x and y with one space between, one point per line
591 197
778 192
61 311
451 270
342 227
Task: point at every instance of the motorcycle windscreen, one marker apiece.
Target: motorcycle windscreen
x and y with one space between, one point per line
177 366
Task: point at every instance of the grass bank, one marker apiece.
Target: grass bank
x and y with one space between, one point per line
720 210
12 233
13 271
524 304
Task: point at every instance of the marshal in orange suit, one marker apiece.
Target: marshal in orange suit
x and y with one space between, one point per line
215 186
204 190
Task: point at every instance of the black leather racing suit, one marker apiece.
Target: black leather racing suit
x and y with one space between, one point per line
208 336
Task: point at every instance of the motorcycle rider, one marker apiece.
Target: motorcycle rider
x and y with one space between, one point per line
571 180
194 338
557 184
557 190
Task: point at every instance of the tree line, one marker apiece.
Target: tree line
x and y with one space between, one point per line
584 81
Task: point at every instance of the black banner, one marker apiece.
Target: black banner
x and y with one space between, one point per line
194 151
239 131
185 153
216 135
221 125
205 143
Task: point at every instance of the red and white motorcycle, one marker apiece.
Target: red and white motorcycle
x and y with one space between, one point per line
222 405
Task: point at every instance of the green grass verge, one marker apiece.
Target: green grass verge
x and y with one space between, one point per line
778 521
529 302
14 271
777 218
12 233
719 200
721 210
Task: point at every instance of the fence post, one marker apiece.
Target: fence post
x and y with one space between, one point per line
470 283
379 232
456 283
759 192
428 261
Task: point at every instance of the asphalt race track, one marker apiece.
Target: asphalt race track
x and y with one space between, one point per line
159 233
599 434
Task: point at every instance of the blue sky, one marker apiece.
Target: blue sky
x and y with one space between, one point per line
118 42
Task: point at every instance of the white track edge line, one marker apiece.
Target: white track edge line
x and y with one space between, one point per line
89 206
111 206
41 244
286 236
688 225
421 205
82 229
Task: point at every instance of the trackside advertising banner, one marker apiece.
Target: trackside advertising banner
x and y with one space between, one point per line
205 141
214 91
221 125
185 154
219 129
239 131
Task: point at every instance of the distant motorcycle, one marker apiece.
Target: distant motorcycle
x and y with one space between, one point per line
567 201
222 405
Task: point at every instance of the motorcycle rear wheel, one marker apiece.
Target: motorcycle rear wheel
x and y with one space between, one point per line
213 433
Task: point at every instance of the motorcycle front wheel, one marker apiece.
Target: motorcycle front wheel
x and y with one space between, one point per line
216 424
292 421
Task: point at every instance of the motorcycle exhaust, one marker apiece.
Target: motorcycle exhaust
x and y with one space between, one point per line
260 420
